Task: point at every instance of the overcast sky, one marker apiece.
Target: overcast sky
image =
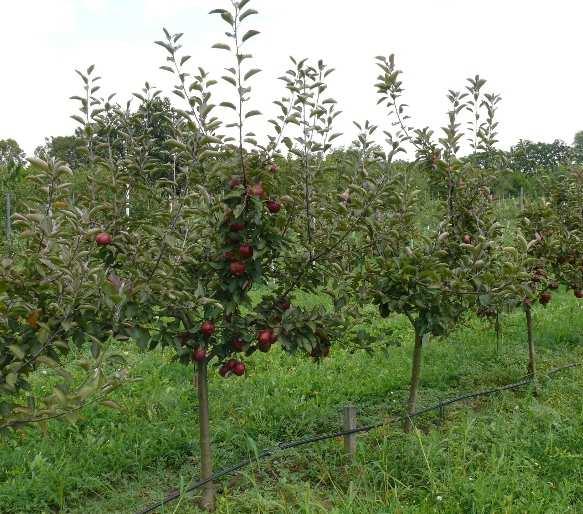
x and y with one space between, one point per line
529 50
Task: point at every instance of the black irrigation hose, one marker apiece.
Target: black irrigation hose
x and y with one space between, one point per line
313 439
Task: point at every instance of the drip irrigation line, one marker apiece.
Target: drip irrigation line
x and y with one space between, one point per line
334 435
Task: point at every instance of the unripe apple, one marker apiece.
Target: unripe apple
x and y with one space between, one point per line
246 251
103 239
238 344
237 268
467 239
207 328
237 227
239 369
273 207
199 355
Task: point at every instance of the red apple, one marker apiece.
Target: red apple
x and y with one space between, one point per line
246 251
237 227
237 268
229 256
545 298
265 336
103 239
199 355
274 168
578 293
257 190
239 369
207 328
467 239
238 344
264 346
273 207
224 370
231 364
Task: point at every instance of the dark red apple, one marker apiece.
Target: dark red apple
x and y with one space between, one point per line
238 344
284 304
239 369
545 298
265 336
264 346
103 239
199 355
273 207
224 370
246 251
207 328
578 293
237 268
237 227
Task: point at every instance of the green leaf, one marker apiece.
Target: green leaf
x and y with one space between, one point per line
247 13
250 73
249 35
221 46
252 113
228 105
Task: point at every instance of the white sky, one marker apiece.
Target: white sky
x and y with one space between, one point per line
529 50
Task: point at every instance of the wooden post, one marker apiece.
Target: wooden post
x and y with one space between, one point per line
521 199
349 415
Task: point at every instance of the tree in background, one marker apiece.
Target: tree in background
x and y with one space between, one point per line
529 157
10 153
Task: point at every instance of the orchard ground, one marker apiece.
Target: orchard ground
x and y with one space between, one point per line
507 453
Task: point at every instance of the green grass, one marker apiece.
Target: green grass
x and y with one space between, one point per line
507 453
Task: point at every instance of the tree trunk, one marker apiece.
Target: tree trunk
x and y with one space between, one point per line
415 378
206 464
531 350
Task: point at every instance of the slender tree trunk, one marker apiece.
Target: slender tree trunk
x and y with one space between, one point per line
531 349
415 378
206 464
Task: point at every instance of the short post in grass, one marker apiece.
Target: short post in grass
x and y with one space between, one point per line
531 349
206 465
349 423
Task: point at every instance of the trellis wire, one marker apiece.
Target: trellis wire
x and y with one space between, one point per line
322 437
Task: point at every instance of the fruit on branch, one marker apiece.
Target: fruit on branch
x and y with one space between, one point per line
545 298
239 368
274 168
224 370
554 286
237 268
207 328
273 207
199 355
257 190
578 293
238 344
467 239
229 256
237 227
266 336
264 346
103 239
246 251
